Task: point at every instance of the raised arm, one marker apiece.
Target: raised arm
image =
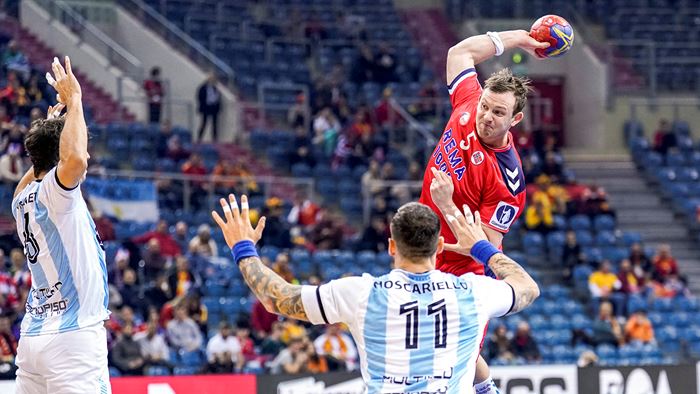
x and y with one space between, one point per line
277 295
476 49
73 153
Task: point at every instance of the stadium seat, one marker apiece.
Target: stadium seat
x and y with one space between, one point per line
662 305
580 222
604 223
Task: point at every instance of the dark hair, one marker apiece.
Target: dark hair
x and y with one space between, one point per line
155 71
504 81
42 143
415 228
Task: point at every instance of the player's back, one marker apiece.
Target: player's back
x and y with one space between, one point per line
65 257
420 333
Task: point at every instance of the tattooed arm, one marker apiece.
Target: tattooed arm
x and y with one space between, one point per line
277 295
524 287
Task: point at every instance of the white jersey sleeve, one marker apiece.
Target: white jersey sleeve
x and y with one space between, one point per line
496 297
332 302
60 198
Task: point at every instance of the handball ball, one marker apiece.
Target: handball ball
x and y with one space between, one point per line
556 31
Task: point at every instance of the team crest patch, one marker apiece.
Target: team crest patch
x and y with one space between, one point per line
504 216
477 158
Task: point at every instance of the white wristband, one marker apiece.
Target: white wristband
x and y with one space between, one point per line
497 42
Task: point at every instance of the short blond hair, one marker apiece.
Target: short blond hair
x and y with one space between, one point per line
504 81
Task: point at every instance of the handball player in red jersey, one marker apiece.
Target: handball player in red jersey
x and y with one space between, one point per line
476 151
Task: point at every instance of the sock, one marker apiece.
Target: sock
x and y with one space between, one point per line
486 387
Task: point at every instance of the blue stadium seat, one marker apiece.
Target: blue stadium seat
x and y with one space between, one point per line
630 237
606 352
584 238
687 304
180 371
662 305
667 333
580 222
636 303
533 244
604 223
156 371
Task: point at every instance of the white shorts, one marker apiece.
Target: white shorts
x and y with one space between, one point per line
73 362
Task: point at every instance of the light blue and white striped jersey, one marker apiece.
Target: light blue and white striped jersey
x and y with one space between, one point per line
65 257
415 333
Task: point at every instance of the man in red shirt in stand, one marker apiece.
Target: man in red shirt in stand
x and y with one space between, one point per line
475 155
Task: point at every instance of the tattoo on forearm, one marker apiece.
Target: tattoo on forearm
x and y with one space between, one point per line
504 267
275 293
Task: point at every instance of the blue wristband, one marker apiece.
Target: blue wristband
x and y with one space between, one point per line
243 249
482 251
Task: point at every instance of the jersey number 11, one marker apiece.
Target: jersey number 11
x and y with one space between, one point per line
438 310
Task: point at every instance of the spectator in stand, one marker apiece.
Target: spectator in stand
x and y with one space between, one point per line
8 348
664 138
196 309
278 234
154 91
538 216
603 282
104 226
195 166
572 255
130 291
385 65
294 358
384 112
224 168
328 233
302 155
175 150
272 345
337 347
154 262
209 105
606 329
375 236
303 212
640 262
370 177
262 322
11 165
158 294
282 268
9 297
298 114
202 244
183 332
168 247
639 328
326 130
126 353
183 280
664 263
523 345
154 350
552 166
498 345
672 286
20 272
629 282
181 235
14 60
247 346
224 351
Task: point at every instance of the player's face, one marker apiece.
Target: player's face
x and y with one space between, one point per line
494 117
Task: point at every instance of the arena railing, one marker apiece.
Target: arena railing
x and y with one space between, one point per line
91 35
179 39
268 186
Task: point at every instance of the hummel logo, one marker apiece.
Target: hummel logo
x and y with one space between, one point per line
513 181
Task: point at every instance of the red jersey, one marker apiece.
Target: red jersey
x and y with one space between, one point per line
490 181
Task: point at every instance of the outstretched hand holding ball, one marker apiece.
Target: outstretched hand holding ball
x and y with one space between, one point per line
556 31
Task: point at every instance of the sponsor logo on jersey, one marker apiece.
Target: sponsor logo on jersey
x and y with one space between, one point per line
504 216
477 158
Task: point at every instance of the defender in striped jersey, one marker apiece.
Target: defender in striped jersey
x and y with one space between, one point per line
418 330
63 346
